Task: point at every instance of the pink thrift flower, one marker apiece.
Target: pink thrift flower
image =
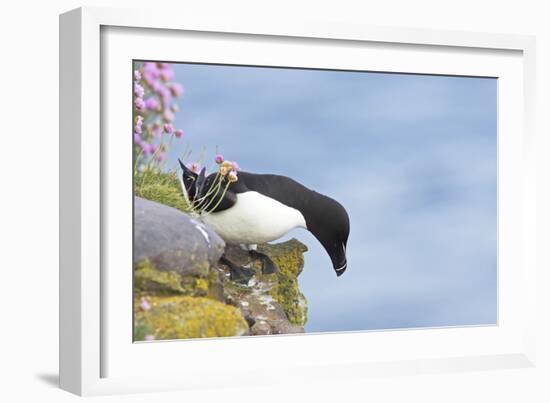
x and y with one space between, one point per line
152 104
232 176
157 130
137 128
150 337
151 69
168 128
160 89
149 79
179 133
218 159
147 148
138 90
194 167
176 89
139 104
167 73
160 157
137 138
157 87
168 116
144 304
235 165
137 75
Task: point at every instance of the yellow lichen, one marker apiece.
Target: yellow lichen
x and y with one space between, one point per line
289 258
148 279
178 317
201 284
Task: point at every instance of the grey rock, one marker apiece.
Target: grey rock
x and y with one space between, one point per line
172 240
270 303
261 327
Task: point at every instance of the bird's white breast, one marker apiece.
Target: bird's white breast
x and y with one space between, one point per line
253 219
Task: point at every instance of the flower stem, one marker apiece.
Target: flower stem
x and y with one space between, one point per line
219 201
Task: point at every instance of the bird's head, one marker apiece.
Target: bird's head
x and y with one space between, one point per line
192 184
330 225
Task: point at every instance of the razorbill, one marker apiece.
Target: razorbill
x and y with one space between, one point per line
260 208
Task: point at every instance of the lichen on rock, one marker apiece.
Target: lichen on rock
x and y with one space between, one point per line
289 258
147 279
272 303
183 317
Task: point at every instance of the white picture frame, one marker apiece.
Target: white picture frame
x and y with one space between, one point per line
85 344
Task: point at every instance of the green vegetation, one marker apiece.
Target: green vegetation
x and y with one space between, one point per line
161 187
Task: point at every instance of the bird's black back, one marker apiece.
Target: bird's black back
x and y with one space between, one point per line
318 210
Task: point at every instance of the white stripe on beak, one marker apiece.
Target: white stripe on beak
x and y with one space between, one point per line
343 267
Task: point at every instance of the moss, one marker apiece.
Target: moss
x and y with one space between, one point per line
148 279
201 284
182 317
215 286
161 187
289 258
288 295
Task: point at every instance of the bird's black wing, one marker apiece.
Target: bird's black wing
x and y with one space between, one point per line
322 213
281 188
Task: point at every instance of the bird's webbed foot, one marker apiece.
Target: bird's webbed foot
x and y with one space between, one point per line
238 274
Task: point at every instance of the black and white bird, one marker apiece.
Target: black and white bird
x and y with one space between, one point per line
260 208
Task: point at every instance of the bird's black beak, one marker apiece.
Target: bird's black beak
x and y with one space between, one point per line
341 269
200 182
339 259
